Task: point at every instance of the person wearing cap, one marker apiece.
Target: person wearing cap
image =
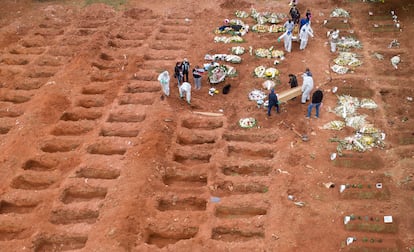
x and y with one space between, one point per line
316 102
273 101
186 67
287 39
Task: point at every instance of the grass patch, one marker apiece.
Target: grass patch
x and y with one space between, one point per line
114 3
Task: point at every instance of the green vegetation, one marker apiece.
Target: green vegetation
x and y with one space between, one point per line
114 3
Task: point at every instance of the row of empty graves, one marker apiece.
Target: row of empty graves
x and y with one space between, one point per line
214 176
78 183
28 65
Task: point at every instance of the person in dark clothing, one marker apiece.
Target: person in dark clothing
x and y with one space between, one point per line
316 102
178 72
308 15
186 67
293 81
294 13
273 101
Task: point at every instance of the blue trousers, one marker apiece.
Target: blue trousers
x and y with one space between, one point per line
310 107
270 108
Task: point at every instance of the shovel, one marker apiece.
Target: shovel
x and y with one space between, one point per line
304 137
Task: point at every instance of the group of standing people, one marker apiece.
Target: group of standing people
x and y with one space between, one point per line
181 73
307 87
305 31
304 28
182 69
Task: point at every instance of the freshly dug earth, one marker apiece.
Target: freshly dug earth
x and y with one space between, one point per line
95 158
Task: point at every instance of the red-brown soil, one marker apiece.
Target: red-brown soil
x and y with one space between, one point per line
94 158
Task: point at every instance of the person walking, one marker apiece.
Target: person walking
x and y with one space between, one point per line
333 39
197 74
287 39
273 101
178 72
316 102
164 79
185 88
186 68
304 33
307 86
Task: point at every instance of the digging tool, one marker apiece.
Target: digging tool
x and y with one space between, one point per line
304 137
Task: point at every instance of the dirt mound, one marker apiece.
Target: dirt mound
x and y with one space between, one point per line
136 13
235 5
98 11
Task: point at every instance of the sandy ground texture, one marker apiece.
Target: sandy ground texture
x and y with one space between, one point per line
95 158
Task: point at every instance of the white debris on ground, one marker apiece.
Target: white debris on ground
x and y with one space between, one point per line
339 69
378 56
395 61
237 50
248 122
268 84
217 74
226 40
339 12
394 43
348 59
256 95
241 14
348 42
268 53
366 135
263 72
225 57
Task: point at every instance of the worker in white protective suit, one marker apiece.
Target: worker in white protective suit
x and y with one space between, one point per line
304 33
307 87
333 39
164 79
287 38
185 88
